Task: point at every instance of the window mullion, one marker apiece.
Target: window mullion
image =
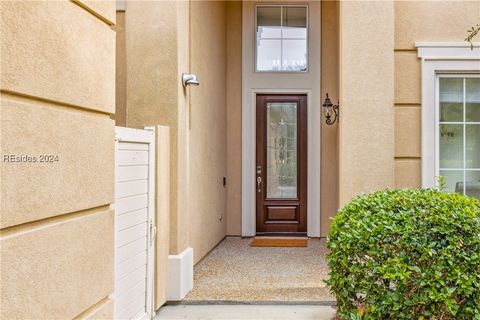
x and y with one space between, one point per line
281 38
464 139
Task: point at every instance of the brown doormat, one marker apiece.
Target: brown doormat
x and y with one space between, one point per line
279 242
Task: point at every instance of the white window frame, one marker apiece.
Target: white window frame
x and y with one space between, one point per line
439 58
281 48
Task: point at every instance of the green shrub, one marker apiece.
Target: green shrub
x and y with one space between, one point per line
406 254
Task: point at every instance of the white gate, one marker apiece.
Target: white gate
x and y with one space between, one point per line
134 223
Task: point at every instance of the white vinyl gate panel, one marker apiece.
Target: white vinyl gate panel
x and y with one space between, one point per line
134 223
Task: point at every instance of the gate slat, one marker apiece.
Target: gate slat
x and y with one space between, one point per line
130 173
131 188
129 158
131 249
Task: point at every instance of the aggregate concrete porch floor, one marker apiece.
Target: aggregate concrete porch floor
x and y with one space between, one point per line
234 272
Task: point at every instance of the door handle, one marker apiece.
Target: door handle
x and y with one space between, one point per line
153 233
259 184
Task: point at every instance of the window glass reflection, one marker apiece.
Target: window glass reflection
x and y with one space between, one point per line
281 38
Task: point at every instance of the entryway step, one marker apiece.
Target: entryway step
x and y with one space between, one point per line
246 312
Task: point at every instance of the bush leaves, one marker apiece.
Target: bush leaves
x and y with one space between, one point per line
406 254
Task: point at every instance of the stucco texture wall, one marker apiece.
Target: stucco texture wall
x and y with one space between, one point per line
207 130
329 145
420 21
156 51
164 39
120 115
366 128
234 118
56 227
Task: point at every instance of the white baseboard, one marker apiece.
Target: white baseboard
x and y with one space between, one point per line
180 275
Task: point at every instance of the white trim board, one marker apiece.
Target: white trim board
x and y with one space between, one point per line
439 58
254 83
180 275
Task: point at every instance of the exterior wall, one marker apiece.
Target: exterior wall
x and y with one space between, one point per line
207 129
329 145
420 21
234 118
56 226
156 35
163 40
120 115
366 128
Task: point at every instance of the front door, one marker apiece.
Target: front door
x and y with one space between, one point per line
281 164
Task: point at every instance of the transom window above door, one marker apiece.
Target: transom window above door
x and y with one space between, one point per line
458 133
281 38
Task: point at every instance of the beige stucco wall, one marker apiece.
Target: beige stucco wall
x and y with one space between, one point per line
120 115
163 40
366 129
329 144
207 130
234 118
420 21
56 227
156 35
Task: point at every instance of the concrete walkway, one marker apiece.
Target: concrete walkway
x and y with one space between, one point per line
247 312
235 272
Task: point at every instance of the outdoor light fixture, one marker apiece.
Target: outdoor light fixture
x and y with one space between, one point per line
330 108
189 79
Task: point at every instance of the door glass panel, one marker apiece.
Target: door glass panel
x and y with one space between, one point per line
453 180
451 146
472 187
451 99
472 147
281 150
472 100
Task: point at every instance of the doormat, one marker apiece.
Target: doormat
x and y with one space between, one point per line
279 242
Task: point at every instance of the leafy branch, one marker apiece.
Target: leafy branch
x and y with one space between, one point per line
472 32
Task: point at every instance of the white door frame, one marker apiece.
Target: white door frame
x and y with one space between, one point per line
123 134
276 83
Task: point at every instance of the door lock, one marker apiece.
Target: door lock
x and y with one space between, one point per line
259 184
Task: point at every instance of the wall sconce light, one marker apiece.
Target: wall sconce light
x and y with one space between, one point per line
329 109
189 79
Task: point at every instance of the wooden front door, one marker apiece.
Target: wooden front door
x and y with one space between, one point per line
281 164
